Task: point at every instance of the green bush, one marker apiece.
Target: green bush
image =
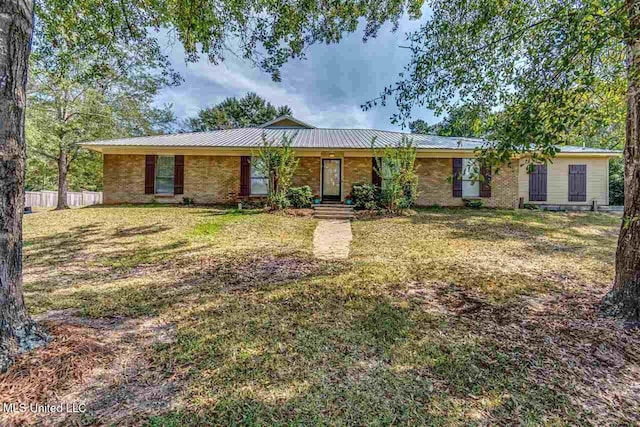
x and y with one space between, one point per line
365 196
300 197
473 203
616 182
278 200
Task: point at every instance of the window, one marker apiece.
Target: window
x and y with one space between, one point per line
165 166
259 182
389 169
470 187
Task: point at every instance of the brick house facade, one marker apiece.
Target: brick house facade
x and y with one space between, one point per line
216 180
215 168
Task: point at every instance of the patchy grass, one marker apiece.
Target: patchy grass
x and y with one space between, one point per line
447 317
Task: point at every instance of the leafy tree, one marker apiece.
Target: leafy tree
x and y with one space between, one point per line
420 126
266 32
249 111
616 182
466 120
77 96
396 166
540 64
278 163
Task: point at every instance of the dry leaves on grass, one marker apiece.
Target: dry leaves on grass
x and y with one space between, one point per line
43 375
101 363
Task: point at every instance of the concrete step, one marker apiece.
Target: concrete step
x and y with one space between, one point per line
332 210
320 216
332 207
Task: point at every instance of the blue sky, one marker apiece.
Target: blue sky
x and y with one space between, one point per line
325 90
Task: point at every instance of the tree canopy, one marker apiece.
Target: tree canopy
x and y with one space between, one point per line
250 110
537 62
465 121
79 95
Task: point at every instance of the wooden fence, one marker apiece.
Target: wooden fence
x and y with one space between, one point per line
50 198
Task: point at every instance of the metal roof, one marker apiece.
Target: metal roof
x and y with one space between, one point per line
307 138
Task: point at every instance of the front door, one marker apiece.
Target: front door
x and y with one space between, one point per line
331 179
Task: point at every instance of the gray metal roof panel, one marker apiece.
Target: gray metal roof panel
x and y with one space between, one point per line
307 138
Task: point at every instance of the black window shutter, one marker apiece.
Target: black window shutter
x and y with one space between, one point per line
577 183
457 177
178 175
538 184
245 175
485 184
149 174
376 179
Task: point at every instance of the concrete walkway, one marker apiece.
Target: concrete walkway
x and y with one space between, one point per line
332 238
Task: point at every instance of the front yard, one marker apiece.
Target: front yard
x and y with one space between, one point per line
174 316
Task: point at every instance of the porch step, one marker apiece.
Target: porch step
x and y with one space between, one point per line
333 211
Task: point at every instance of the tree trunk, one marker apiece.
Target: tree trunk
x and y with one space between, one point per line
623 301
63 168
18 332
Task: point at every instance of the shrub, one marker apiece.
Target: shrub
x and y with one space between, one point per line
365 196
278 200
396 166
473 203
278 163
188 201
300 197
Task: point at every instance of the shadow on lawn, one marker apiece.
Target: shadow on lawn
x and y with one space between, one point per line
532 227
377 363
273 358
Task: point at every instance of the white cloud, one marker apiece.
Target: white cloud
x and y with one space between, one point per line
237 78
326 90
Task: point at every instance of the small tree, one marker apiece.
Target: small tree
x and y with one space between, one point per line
396 166
278 164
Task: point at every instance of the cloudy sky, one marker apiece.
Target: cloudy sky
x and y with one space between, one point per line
325 90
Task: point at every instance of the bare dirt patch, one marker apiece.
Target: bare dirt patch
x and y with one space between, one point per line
101 363
257 270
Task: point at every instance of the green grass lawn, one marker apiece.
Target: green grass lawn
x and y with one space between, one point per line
445 317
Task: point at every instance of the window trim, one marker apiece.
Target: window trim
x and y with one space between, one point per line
252 177
463 179
173 178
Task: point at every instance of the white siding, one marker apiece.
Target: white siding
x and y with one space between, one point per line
558 180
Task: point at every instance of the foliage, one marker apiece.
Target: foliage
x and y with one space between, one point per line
365 196
278 163
465 120
473 203
537 64
249 111
300 197
77 95
267 33
616 182
396 166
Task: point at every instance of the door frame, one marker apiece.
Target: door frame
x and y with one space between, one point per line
331 198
